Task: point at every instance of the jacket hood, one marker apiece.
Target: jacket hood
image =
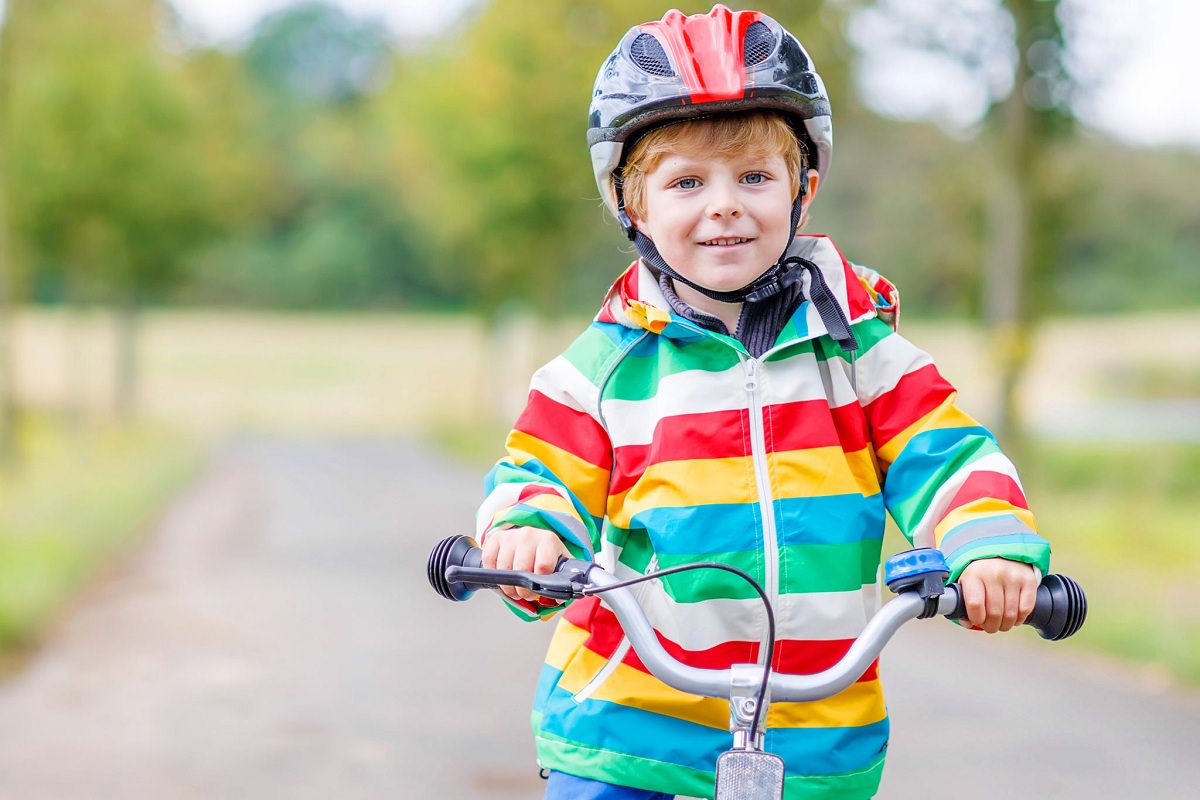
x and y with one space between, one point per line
636 301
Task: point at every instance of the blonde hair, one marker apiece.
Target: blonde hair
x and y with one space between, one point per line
756 133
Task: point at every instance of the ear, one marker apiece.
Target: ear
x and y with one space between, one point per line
638 223
814 181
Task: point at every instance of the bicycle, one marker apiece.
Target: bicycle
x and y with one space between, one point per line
747 771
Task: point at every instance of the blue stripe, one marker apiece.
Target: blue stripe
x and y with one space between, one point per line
616 728
838 519
1030 539
828 751
715 528
931 451
737 527
972 526
599 724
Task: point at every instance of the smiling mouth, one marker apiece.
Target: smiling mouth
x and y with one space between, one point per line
725 242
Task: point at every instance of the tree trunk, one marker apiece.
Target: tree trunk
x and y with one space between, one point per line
126 358
1012 249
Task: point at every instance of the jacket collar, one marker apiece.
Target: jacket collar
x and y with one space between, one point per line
636 301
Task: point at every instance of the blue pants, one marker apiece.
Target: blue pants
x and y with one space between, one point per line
562 786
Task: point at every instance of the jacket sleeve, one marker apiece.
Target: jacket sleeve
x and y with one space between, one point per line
946 482
556 474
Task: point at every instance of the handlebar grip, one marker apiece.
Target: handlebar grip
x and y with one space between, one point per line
458 551
1059 611
455 572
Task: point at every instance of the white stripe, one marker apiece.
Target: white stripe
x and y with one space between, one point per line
808 616
690 392
797 379
563 383
992 462
882 367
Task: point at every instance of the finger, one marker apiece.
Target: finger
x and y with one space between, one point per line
1028 600
546 557
491 546
505 555
994 606
1012 606
523 560
973 597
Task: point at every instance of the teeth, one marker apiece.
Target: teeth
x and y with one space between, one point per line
723 242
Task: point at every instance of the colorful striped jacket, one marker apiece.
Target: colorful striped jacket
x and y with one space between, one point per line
652 442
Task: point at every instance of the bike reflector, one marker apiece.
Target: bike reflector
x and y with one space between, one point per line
749 775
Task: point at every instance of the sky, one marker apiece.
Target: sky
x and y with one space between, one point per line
1144 52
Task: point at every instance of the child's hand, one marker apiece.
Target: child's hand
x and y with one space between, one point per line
998 593
524 550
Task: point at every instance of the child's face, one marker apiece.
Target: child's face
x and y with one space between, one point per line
720 222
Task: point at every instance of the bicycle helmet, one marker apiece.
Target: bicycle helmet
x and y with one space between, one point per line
687 67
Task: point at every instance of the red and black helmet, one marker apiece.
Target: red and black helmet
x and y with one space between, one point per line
684 67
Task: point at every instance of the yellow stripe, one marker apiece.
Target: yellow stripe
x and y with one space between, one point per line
589 482
818 471
672 484
861 704
567 640
978 509
946 415
823 471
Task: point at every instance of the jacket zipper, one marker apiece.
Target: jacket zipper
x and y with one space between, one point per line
758 455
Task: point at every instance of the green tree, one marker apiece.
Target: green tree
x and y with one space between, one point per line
7 395
106 184
489 123
1015 50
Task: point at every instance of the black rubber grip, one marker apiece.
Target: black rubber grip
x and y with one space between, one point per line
1059 611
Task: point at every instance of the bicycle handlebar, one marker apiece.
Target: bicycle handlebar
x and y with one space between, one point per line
455 573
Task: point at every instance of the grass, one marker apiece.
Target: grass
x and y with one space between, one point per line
1122 520
1120 517
71 503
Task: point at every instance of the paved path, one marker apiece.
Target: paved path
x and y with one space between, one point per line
276 639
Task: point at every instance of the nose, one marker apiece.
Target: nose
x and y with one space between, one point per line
724 201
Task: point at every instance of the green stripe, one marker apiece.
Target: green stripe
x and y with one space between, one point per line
829 567
639 375
908 512
620 768
803 568
636 549
1036 554
592 352
697 585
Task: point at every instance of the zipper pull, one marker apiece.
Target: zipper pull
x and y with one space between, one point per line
751 375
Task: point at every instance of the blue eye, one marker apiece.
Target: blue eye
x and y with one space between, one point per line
687 183
755 178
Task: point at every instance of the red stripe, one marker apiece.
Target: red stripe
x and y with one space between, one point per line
794 657
532 490
812 423
565 428
715 434
982 485
915 395
858 300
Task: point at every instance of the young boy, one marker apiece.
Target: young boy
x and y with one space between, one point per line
741 397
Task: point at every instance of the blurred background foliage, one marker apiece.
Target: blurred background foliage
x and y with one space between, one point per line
320 165
163 203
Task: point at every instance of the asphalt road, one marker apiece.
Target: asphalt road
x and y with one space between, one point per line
276 638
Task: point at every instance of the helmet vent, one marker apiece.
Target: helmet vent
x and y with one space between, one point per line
758 44
648 54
